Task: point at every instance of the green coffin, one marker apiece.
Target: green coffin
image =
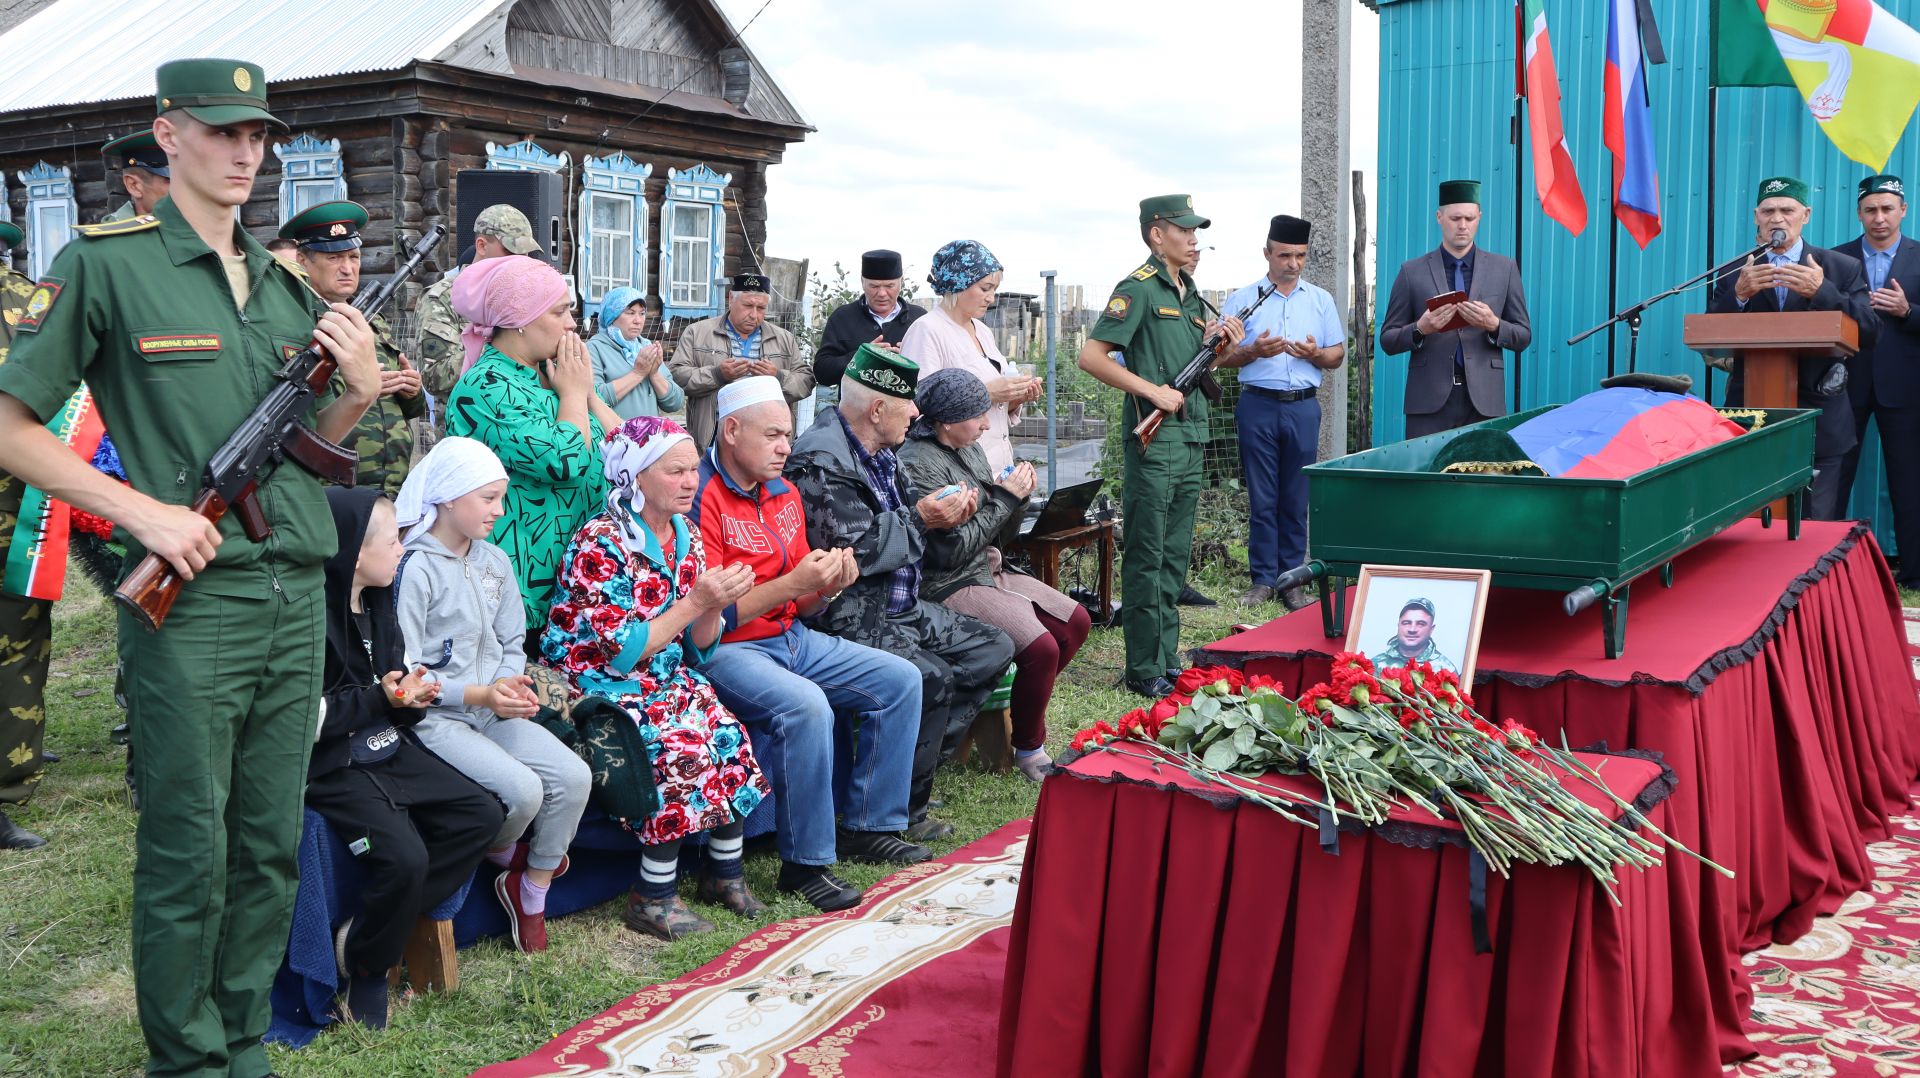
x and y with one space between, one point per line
1589 537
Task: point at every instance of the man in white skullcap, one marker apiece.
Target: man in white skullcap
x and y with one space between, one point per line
786 682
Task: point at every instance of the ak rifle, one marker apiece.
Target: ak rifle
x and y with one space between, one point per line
1198 373
273 431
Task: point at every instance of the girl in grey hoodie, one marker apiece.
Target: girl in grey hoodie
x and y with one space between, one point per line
462 618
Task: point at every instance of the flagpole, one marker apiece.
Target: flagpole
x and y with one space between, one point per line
1713 153
1613 288
1519 169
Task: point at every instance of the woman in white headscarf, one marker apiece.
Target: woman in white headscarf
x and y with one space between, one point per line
634 610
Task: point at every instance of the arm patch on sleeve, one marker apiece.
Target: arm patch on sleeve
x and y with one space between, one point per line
39 305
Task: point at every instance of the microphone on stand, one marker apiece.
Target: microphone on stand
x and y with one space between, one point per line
1776 238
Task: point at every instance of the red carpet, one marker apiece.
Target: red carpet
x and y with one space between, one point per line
908 983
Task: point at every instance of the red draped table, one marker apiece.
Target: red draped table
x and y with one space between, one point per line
1158 934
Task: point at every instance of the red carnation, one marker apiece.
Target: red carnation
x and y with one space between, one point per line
1135 721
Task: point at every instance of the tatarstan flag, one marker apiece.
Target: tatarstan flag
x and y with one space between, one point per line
1553 177
1857 67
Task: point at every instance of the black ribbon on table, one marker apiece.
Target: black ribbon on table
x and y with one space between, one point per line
1477 900
1329 833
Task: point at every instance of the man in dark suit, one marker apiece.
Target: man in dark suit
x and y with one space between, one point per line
1884 381
1797 276
1457 373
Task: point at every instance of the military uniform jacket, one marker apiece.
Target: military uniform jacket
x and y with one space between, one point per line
440 352
141 310
15 288
842 510
384 435
1159 330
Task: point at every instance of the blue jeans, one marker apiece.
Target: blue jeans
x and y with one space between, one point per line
1277 440
785 690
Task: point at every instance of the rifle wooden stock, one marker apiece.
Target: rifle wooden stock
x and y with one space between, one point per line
149 591
1149 427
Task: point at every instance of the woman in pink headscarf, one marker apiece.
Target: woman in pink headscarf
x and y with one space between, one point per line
527 393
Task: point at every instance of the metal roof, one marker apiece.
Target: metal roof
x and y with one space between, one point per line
76 51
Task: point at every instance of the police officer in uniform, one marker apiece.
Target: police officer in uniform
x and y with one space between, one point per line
329 241
178 322
143 172
1157 318
26 629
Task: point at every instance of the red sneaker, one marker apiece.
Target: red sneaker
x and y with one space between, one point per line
529 929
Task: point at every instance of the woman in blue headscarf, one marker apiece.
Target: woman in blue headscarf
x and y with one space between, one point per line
627 372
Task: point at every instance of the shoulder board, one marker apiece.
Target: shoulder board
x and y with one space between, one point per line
119 228
1147 272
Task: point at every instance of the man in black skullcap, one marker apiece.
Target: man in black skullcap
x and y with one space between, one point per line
143 171
1456 366
878 318
738 344
1291 338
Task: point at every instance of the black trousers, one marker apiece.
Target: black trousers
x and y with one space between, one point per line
425 826
1900 452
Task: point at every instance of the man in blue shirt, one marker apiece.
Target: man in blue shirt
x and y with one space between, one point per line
1884 379
1291 338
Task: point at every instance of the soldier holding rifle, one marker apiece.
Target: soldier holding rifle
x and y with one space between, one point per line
1156 316
179 322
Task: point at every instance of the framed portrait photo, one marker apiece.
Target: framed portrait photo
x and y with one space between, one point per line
1407 613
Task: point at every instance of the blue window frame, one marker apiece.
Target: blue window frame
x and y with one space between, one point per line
693 231
311 172
612 246
51 214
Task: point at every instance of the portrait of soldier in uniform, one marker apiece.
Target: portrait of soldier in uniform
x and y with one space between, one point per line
1402 615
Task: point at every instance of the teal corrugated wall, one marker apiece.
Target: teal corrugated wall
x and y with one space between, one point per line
1446 110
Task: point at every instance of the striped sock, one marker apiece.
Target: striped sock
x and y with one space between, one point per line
658 877
723 856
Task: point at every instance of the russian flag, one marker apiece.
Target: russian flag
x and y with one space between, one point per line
1628 130
1618 432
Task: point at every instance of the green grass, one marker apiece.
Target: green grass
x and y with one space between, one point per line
66 981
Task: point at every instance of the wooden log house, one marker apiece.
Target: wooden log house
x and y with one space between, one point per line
660 122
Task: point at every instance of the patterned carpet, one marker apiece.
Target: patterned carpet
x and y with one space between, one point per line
1844 999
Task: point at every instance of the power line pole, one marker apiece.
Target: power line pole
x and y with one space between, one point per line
1326 113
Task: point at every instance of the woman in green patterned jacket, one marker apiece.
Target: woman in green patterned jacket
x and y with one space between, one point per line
527 393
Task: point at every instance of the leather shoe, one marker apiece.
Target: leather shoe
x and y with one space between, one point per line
1190 597
1297 598
15 837
927 829
49 757
1152 688
880 848
1256 595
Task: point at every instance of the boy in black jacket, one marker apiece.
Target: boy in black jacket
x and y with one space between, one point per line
416 826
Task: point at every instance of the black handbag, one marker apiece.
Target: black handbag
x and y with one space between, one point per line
601 732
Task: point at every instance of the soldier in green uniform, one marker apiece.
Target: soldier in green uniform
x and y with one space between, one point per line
1157 320
178 321
1412 640
26 628
143 172
498 231
329 252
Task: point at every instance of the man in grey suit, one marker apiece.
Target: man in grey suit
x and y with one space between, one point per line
1883 381
1797 276
1456 375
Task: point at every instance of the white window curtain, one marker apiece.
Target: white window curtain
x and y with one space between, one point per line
613 226
51 214
693 245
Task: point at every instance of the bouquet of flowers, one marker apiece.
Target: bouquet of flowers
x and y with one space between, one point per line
1377 740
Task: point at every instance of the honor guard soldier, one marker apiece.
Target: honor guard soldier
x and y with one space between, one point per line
26 627
143 172
178 321
329 241
1156 317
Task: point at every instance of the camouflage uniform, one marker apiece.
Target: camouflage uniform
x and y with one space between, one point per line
26 625
439 352
960 659
384 436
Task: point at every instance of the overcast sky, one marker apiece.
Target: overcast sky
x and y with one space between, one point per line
1036 126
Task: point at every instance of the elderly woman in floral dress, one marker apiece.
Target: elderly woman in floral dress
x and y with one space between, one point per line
635 607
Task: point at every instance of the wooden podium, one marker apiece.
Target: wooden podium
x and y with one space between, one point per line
1770 345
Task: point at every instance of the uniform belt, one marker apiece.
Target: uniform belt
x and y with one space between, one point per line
1282 395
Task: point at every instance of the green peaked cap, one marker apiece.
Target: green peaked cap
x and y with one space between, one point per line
215 92
329 226
1177 209
884 372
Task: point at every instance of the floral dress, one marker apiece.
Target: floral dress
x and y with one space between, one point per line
596 632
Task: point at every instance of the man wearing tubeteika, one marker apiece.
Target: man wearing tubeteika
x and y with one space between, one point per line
1794 275
1883 380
